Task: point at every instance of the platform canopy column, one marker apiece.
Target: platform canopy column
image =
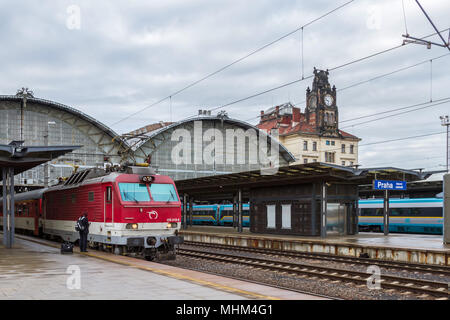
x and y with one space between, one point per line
191 209
386 212
8 207
235 209
446 208
185 197
240 227
323 210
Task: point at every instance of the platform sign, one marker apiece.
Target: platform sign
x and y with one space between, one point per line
389 185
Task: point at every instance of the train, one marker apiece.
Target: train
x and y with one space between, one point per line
420 215
130 210
218 214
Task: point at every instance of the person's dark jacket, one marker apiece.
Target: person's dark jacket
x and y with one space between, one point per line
84 224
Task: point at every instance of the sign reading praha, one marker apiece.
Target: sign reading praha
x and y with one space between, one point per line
389 185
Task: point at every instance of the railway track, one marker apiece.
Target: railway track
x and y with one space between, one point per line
425 288
439 270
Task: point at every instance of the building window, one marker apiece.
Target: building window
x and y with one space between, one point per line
305 160
271 216
91 196
332 143
328 142
343 148
343 163
286 216
314 146
351 149
351 163
305 145
314 160
329 157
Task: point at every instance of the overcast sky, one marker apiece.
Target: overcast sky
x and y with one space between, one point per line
118 57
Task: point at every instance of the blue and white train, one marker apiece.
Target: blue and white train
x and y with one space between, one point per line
218 214
421 215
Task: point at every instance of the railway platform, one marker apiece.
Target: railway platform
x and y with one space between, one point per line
34 269
409 248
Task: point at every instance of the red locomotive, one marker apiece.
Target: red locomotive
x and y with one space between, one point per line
130 210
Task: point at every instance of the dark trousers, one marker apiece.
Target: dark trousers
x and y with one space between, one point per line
83 241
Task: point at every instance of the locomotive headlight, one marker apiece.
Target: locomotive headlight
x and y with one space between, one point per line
171 225
133 226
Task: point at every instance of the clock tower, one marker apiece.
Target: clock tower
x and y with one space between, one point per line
321 110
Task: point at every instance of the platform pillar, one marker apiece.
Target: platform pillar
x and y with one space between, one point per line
235 208
240 227
446 208
191 210
8 207
386 212
185 211
323 210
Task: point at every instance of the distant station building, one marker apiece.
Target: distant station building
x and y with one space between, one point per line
314 135
41 122
206 145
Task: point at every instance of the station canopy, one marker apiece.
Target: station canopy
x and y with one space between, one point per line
294 174
22 158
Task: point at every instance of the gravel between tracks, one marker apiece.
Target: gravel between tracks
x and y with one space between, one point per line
336 289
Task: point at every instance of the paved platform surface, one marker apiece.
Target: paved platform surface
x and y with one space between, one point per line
394 240
33 270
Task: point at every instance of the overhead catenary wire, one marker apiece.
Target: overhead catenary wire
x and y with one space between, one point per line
234 62
372 79
383 141
400 113
392 110
299 80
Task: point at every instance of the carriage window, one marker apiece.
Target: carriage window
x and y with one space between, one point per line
163 192
371 212
134 192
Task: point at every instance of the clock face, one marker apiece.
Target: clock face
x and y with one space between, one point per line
328 100
312 102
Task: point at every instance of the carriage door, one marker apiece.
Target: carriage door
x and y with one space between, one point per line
108 205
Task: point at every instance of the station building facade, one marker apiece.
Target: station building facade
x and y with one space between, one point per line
41 122
194 147
207 145
314 135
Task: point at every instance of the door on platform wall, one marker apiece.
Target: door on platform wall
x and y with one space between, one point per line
336 218
108 205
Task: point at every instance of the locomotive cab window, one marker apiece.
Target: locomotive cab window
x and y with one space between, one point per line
134 192
163 192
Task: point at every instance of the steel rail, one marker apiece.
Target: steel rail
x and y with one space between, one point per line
406 266
433 288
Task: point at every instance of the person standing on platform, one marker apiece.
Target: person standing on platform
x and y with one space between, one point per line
82 227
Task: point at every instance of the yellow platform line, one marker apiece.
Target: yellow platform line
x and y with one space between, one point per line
166 273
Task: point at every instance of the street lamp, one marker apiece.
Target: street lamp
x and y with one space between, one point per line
445 121
49 123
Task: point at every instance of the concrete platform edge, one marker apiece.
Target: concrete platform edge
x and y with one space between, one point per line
409 255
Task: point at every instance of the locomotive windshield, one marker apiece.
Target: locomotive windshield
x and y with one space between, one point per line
134 192
163 192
